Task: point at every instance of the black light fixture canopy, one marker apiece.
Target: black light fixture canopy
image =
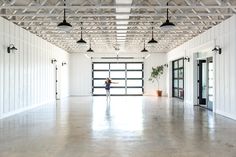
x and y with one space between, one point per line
81 41
152 41
53 60
90 49
65 26
10 48
217 49
144 48
167 24
186 58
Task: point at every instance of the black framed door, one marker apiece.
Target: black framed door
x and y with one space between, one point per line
202 67
205 83
178 78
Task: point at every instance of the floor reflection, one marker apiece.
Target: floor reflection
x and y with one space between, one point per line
124 126
117 115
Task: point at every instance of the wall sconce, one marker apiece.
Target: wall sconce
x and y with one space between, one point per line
11 47
217 49
53 61
187 58
63 63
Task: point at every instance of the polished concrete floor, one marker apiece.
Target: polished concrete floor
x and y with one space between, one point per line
123 127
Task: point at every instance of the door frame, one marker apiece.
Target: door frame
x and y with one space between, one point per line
195 78
179 78
126 70
206 51
201 101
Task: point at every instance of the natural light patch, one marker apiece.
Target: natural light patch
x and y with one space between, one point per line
117 117
124 27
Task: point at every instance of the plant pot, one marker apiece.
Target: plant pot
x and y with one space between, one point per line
159 93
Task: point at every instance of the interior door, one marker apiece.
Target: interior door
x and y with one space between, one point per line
206 83
210 83
57 94
202 82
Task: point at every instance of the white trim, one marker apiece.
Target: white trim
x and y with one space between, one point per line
226 114
189 103
25 109
77 95
205 49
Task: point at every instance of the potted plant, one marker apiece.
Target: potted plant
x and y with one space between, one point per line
155 76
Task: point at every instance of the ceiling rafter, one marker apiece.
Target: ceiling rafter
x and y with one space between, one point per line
101 26
119 6
122 14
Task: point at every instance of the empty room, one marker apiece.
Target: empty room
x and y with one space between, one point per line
117 78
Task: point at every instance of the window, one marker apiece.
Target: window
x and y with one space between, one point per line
178 78
129 77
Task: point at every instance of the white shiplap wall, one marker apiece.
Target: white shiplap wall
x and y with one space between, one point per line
27 76
81 73
155 59
224 35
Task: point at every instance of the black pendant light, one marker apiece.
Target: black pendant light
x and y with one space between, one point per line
152 41
167 24
65 26
90 49
144 49
81 41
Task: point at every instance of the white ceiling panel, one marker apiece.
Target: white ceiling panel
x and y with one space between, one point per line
112 23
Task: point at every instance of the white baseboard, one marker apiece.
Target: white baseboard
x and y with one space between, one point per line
226 114
5 115
63 97
80 95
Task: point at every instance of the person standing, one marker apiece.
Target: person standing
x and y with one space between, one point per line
108 86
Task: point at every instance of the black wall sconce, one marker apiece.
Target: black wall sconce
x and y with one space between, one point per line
63 63
10 48
217 49
187 59
53 60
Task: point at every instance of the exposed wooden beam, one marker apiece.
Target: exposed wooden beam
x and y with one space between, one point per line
115 14
119 6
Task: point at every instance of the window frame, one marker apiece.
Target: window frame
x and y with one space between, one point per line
178 68
126 79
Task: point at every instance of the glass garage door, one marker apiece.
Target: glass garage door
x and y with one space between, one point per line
129 78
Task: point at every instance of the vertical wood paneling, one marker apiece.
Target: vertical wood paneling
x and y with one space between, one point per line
1 66
233 65
225 71
6 86
25 68
26 77
228 65
221 72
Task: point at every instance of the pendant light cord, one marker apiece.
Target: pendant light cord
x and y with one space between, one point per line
152 29
81 30
152 32
64 10
167 11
